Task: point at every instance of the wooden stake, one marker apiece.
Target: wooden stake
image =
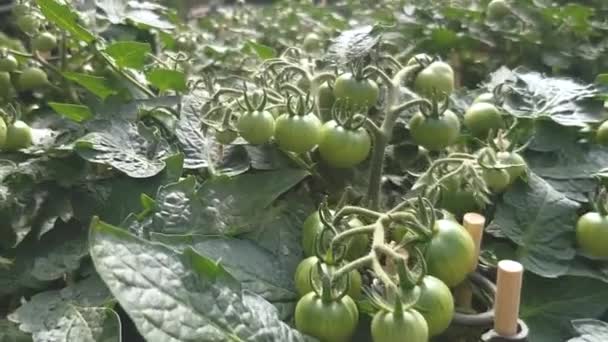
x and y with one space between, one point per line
508 295
474 224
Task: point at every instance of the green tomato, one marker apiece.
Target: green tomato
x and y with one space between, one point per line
312 42
497 180
358 93
303 278
356 247
333 321
8 63
513 158
601 135
422 57
436 77
343 148
5 85
325 101
32 78
408 326
44 42
256 127
18 136
592 234
225 136
28 23
485 97
450 254
482 117
297 133
436 304
497 9
435 134
3 129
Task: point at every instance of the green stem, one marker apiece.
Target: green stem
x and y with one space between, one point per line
353 210
353 231
124 74
353 265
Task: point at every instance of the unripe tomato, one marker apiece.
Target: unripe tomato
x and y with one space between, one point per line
435 134
422 57
28 23
343 148
5 85
8 63
44 42
437 76
497 9
332 321
256 127
303 274
18 136
225 136
32 78
325 101
497 180
357 245
3 129
601 135
592 234
513 158
436 304
409 326
450 254
297 133
312 42
482 117
358 93
485 97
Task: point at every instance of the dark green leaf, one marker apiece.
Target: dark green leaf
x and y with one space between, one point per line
206 302
590 330
95 84
65 17
77 113
9 332
263 51
129 54
167 79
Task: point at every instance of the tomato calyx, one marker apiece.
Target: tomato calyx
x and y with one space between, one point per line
250 105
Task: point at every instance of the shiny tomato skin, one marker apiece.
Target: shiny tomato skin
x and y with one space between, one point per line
484 97
592 235
410 327
450 254
32 78
513 158
333 321
436 77
358 93
256 127
18 136
601 135
343 148
297 133
303 274
435 134
497 180
8 63
436 304
482 117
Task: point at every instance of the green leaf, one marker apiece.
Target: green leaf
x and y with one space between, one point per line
133 149
195 146
590 330
263 51
57 315
129 54
548 305
99 86
167 79
9 332
77 113
541 221
205 301
66 18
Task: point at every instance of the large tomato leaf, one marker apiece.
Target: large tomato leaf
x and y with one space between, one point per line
136 150
590 330
57 315
541 221
194 144
64 16
548 305
203 300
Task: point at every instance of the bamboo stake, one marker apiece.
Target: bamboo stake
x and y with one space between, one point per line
508 296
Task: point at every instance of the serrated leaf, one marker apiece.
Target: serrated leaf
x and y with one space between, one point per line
192 141
263 51
133 149
167 79
354 44
541 221
129 54
77 113
205 301
99 86
548 305
65 17
590 330
52 315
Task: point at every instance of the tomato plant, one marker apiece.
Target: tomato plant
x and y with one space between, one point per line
32 78
435 133
331 321
437 78
306 272
45 42
8 63
18 136
342 147
299 130
408 325
592 234
358 92
482 117
436 304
